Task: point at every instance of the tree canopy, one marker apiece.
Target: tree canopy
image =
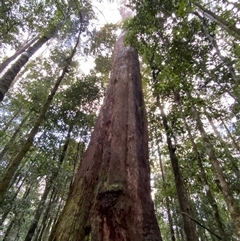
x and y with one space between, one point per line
189 55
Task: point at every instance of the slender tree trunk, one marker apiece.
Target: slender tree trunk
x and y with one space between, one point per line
14 163
110 198
170 220
6 62
61 203
233 160
13 138
8 77
77 160
48 187
230 28
11 120
185 207
9 204
8 233
38 213
221 181
47 230
210 196
46 216
230 135
14 226
225 60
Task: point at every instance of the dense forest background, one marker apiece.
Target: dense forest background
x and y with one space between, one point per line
190 65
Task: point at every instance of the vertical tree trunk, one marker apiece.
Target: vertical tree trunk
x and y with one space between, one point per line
10 74
47 230
221 181
8 207
11 120
234 161
8 235
110 199
13 228
46 216
38 213
210 196
47 189
170 220
185 207
230 135
15 162
13 138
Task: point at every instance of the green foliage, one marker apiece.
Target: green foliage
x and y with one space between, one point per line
186 69
190 64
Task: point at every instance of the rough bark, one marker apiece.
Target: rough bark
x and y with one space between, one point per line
185 207
6 62
8 77
110 197
15 162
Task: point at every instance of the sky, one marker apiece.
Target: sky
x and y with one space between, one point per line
107 13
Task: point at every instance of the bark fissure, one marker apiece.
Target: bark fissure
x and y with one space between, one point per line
110 196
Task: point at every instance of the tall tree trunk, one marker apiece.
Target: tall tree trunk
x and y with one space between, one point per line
210 196
9 205
230 28
110 199
47 229
14 163
38 213
185 207
170 220
14 226
47 189
230 135
46 215
13 138
77 159
221 181
6 62
8 77
234 161
8 235
11 120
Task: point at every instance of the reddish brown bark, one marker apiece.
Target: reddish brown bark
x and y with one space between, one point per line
110 197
